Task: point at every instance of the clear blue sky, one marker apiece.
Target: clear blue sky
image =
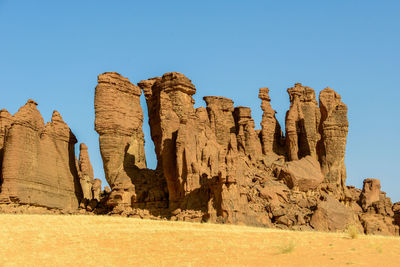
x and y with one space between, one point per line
52 52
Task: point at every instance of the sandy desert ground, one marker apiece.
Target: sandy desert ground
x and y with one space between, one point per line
59 240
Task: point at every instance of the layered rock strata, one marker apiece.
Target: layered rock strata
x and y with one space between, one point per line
85 173
119 120
38 166
5 122
271 133
213 165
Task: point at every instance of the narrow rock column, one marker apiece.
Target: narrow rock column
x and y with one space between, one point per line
270 129
5 122
302 122
333 129
293 122
170 105
248 140
119 120
86 175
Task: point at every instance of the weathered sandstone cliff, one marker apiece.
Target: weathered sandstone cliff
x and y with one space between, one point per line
38 165
214 166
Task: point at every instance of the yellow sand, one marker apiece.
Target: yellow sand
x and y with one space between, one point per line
57 240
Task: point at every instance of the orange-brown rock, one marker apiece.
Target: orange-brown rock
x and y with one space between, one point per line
333 128
248 140
96 189
199 149
170 106
271 133
332 216
370 192
39 161
304 174
5 122
119 120
213 165
85 171
302 121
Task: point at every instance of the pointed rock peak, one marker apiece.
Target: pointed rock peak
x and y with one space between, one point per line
29 116
82 146
264 94
5 114
56 117
31 101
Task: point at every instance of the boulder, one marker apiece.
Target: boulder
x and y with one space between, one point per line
377 224
304 174
331 215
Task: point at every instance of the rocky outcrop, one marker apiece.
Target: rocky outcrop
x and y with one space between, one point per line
248 140
198 150
332 216
213 165
96 189
304 174
333 129
302 121
119 120
378 216
5 122
86 176
271 133
370 193
39 161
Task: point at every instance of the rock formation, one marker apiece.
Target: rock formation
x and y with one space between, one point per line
212 164
304 174
216 167
119 120
5 122
85 173
333 129
39 161
302 123
271 133
97 189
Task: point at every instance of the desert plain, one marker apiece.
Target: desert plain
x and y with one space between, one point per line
82 240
